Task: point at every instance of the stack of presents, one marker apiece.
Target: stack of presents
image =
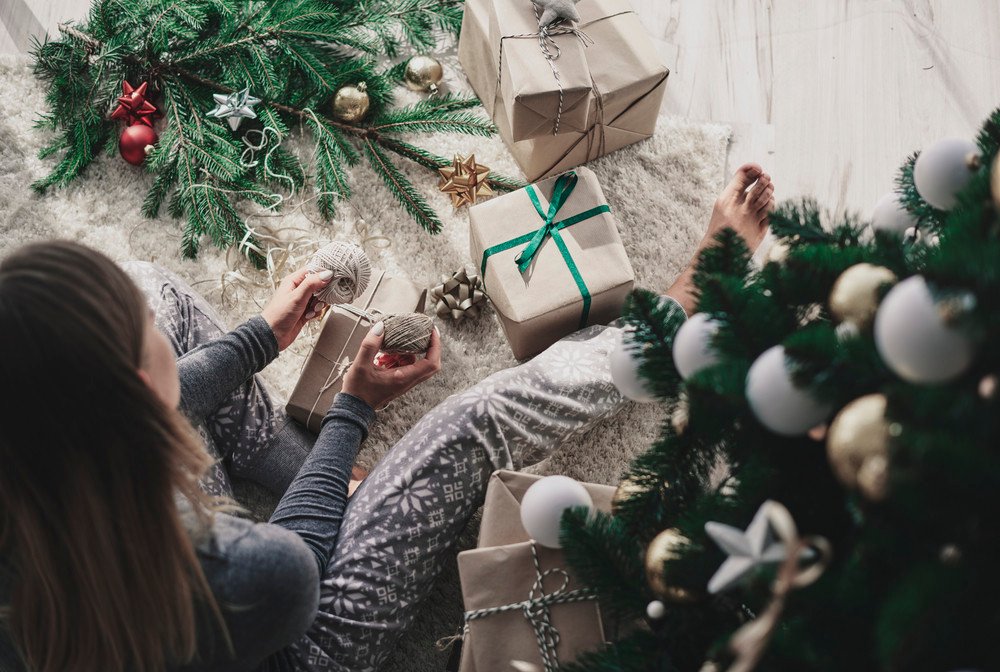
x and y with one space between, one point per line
551 260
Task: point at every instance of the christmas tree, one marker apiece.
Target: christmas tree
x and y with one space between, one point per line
849 382
188 67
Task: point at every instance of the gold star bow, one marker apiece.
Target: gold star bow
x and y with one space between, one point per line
464 180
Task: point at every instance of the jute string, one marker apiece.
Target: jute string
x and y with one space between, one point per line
351 271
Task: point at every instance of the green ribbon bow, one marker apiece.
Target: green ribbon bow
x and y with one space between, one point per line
564 186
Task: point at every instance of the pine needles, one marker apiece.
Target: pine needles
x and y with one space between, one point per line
293 56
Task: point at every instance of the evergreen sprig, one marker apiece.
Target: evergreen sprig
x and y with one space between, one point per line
292 55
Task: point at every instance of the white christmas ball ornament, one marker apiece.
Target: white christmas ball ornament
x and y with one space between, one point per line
942 170
913 338
543 504
776 401
624 360
656 610
889 215
693 345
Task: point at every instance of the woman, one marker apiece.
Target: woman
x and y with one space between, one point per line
112 554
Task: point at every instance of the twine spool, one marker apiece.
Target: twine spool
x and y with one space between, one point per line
351 271
407 333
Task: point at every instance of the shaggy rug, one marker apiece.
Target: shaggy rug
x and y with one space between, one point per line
660 190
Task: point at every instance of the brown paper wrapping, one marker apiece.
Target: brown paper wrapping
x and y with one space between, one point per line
338 343
501 572
544 304
624 77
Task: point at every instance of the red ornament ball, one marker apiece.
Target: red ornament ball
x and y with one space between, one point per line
133 142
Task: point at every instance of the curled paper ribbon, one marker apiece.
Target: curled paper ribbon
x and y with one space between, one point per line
750 642
459 295
537 611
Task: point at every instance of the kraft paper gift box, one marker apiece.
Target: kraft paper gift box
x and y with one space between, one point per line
501 571
579 273
340 337
621 71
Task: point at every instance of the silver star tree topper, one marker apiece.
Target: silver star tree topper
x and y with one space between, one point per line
553 10
759 545
235 107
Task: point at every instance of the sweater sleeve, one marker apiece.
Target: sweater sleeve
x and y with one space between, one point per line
210 372
314 503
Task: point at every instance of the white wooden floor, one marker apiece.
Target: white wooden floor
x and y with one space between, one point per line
830 95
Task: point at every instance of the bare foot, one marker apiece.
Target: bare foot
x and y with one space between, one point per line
744 206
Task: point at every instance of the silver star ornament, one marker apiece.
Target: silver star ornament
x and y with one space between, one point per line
234 107
553 10
759 545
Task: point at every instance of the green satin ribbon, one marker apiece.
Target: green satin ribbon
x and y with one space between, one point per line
564 186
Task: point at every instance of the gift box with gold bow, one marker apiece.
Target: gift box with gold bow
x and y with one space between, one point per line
566 94
551 259
521 601
336 346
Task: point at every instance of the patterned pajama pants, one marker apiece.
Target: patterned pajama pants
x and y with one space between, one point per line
401 525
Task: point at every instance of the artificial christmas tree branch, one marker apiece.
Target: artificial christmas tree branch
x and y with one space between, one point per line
291 57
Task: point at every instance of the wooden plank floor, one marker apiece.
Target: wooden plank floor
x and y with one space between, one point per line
830 95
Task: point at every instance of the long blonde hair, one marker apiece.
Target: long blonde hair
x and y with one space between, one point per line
92 463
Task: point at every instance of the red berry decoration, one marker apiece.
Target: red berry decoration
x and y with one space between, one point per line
134 141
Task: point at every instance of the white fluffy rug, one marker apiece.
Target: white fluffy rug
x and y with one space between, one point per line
661 191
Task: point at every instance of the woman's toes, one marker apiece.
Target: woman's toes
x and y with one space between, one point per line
766 210
761 198
745 176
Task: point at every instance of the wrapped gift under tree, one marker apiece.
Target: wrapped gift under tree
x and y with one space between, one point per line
551 259
521 602
566 93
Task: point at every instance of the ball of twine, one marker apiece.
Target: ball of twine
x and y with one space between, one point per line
407 333
351 271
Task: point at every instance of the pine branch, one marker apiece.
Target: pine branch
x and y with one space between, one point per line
433 161
401 188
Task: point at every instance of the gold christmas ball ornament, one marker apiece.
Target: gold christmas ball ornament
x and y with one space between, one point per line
351 102
854 297
627 489
423 73
663 547
858 446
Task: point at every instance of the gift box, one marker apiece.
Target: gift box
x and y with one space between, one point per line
605 92
551 259
340 337
504 570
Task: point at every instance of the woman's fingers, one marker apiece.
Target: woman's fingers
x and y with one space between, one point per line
292 281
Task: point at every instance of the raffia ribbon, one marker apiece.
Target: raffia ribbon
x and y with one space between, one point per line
459 295
537 611
749 643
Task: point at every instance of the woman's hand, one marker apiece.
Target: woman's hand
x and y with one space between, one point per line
293 304
376 386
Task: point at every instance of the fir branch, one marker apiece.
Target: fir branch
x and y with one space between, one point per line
401 188
433 161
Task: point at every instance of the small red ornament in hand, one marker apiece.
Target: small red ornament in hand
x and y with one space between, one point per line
133 108
135 142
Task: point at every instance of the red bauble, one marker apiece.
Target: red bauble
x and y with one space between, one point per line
133 142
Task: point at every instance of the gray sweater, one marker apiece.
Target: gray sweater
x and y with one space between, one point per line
265 576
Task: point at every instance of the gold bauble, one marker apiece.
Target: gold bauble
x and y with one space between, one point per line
662 548
858 446
423 73
995 180
626 490
351 102
854 297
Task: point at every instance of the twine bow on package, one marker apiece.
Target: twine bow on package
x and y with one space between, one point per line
551 259
567 93
337 344
521 601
